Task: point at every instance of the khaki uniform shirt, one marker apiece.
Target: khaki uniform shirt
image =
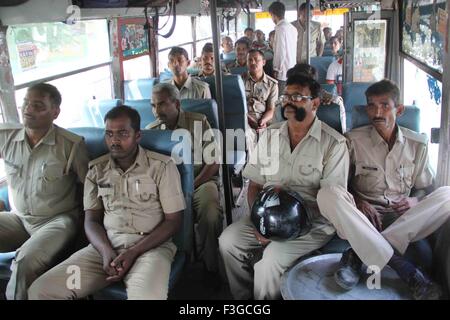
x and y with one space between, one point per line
136 200
316 34
234 64
261 95
381 176
197 125
320 159
43 180
194 89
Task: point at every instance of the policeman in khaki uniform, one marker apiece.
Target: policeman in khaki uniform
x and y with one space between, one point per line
189 87
206 201
381 217
261 92
43 163
303 154
133 202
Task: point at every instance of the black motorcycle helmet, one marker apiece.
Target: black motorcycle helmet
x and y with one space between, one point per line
280 214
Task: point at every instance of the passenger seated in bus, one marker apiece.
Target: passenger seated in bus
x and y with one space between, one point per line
327 34
268 68
189 87
207 61
340 35
262 93
227 45
260 42
241 47
334 72
134 204
381 216
43 164
326 97
249 34
206 200
315 38
303 154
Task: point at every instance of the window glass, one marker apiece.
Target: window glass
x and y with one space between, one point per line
38 50
137 68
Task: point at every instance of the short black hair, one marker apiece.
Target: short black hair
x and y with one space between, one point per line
257 51
51 90
384 86
305 81
129 112
243 40
178 50
302 68
278 9
248 29
207 48
303 7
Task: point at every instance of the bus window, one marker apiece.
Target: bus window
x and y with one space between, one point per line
41 50
369 59
424 91
137 68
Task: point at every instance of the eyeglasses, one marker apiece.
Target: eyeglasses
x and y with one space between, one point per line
285 98
123 134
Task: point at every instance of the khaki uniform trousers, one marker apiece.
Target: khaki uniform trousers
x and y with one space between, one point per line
375 248
239 246
38 248
147 279
209 216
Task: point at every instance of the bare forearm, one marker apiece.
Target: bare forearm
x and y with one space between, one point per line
97 236
206 174
268 115
253 190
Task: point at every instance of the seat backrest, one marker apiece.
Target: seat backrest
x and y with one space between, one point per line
330 114
145 110
99 108
159 141
238 70
329 87
208 107
228 56
353 94
321 65
139 88
410 118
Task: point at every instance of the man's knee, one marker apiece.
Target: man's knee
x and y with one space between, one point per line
227 239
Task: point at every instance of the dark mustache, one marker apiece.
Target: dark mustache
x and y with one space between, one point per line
376 119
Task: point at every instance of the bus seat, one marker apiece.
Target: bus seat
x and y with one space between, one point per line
329 87
99 109
158 141
208 107
139 88
330 114
165 76
193 71
238 70
145 110
231 56
410 118
321 65
353 94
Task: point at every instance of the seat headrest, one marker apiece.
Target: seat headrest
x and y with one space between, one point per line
139 88
208 107
410 118
331 115
144 109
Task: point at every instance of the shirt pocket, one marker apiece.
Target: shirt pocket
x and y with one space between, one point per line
143 192
368 178
309 172
404 175
52 178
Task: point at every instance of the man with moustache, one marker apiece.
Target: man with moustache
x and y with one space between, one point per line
261 92
207 61
242 46
134 203
302 154
189 87
43 164
381 217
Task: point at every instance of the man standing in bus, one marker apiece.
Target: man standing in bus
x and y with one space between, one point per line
133 202
381 217
43 164
315 39
284 50
261 92
206 200
302 154
189 87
